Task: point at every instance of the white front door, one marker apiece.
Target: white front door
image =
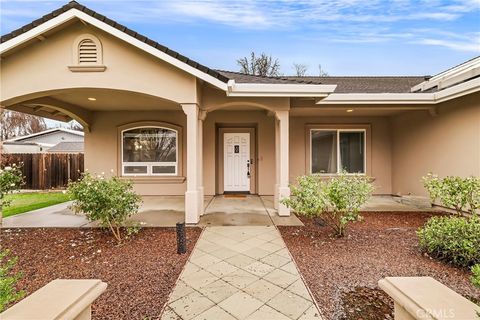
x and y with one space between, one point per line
236 162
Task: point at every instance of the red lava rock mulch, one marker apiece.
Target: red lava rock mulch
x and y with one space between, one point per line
140 273
343 273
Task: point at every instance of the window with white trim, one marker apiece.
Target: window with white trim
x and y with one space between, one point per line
334 150
149 151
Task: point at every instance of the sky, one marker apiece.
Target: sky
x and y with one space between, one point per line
345 37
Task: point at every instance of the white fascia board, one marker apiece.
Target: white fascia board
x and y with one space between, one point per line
450 77
404 98
278 90
378 98
72 13
459 90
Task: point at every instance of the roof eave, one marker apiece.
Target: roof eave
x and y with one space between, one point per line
278 90
450 93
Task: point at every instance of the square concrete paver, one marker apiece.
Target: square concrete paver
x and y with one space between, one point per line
240 272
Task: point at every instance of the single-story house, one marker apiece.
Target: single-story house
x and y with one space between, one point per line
176 127
59 140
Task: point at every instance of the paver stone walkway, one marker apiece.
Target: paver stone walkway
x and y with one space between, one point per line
240 273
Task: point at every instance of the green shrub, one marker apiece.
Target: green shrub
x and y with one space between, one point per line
476 275
307 198
337 201
8 280
110 202
11 179
452 239
454 192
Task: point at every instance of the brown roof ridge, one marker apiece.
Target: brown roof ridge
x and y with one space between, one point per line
75 5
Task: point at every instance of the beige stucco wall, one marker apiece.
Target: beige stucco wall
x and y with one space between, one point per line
102 152
446 144
43 66
379 159
265 135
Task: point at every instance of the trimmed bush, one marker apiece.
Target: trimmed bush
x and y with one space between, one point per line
452 239
454 192
337 201
110 202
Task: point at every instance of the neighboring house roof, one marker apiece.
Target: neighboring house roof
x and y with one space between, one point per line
45 132
67 147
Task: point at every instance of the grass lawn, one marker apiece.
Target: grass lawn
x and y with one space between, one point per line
23 202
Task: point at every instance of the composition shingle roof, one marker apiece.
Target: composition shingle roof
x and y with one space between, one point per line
344 84
372 84
67 146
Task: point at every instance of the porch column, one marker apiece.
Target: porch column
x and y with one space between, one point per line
201 207
282 155
192 213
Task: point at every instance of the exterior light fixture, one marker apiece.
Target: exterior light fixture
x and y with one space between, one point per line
92 99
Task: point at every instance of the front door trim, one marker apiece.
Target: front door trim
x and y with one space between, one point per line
221 130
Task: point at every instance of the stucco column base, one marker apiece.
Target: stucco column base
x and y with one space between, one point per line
201 205
283 192
191 207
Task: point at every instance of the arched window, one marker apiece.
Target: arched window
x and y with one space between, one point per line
149 151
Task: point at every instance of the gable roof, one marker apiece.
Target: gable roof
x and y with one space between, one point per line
75 5
45 132
333 89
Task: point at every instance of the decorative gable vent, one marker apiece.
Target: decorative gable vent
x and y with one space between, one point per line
87 54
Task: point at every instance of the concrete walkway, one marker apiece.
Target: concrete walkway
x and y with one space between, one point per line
166 211
240 273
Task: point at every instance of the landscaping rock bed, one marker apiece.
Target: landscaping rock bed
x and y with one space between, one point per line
343 273
140 273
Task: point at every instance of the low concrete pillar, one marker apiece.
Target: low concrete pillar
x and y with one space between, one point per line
60 299
422 298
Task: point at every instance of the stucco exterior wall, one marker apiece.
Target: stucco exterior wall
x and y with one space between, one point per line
102 152
379 154
446 144
127 68
265 135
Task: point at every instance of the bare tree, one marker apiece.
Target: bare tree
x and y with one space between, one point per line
322 72
263 65
300 69
18 124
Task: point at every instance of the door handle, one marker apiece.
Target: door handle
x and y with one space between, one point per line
248 168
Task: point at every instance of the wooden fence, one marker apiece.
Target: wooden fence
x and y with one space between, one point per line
46 170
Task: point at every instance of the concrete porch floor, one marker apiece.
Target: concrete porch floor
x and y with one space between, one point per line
166 211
